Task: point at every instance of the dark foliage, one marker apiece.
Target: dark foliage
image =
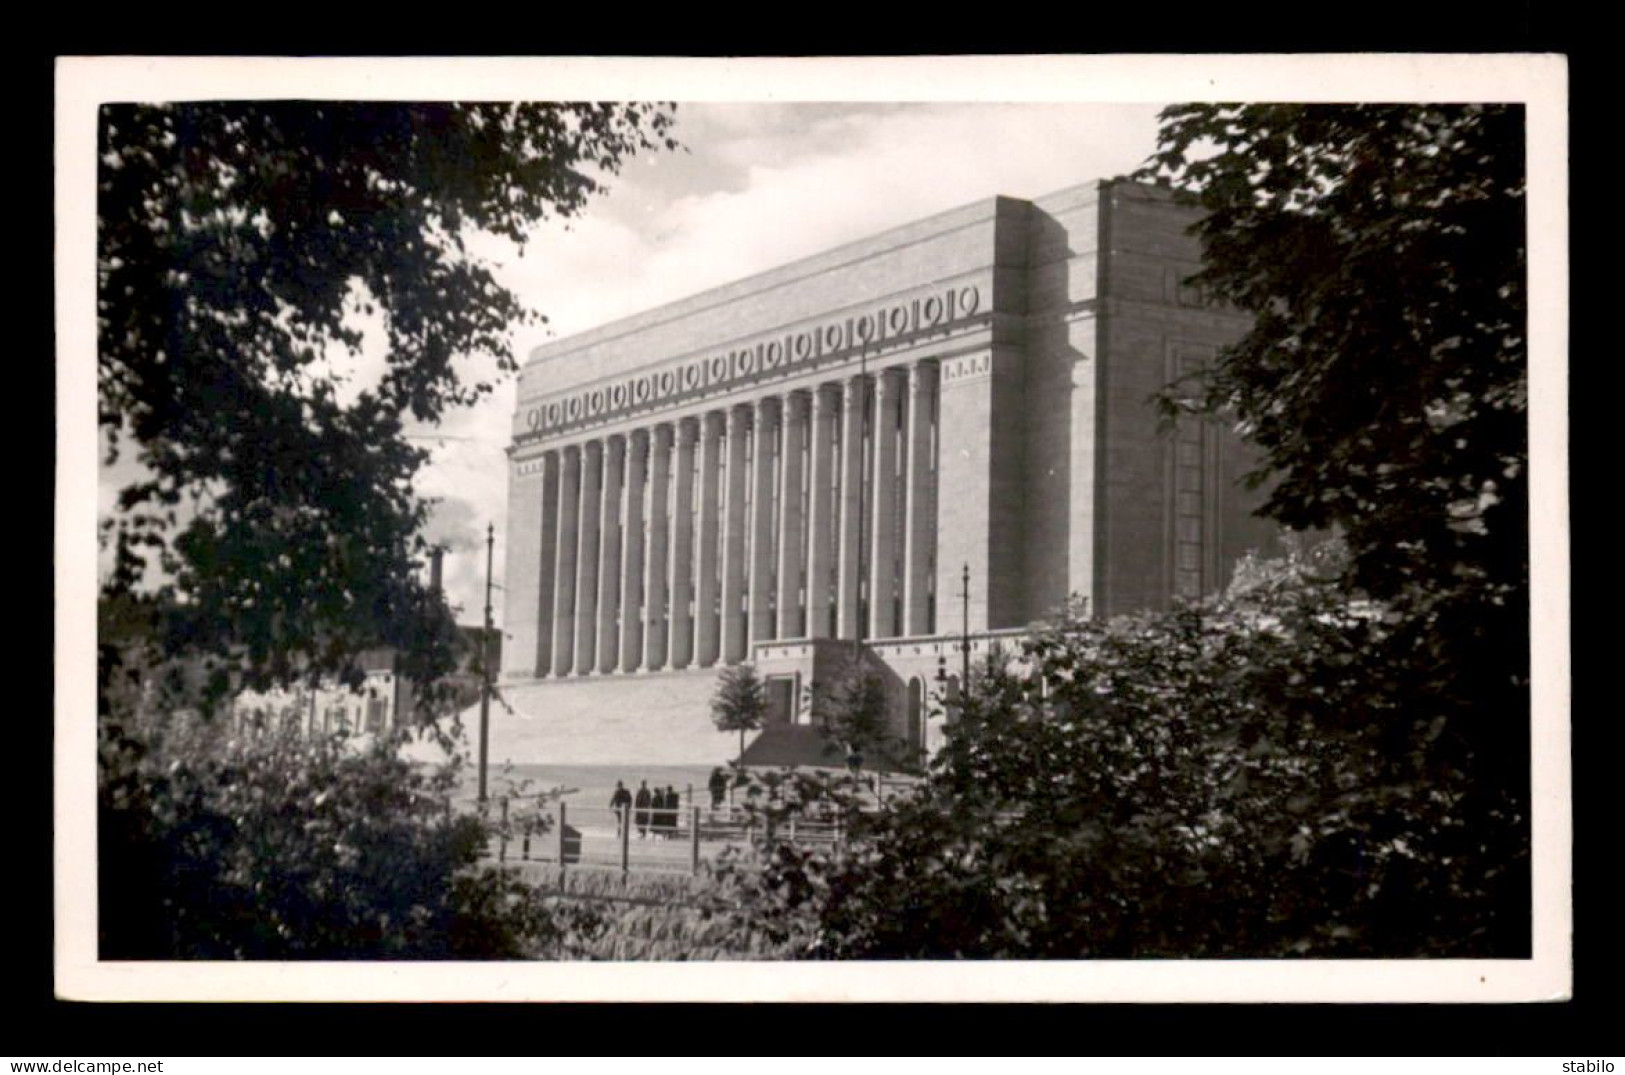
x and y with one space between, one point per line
850 707
236 241
1381 251
1231 780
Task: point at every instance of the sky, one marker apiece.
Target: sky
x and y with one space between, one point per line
755 186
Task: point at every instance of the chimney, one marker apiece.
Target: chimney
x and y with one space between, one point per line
435 558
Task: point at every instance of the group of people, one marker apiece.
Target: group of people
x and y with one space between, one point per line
653 812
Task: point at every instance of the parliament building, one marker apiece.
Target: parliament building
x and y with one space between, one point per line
941 430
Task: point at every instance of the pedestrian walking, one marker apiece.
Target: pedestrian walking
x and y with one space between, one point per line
673 802
718 786
642 803
621 803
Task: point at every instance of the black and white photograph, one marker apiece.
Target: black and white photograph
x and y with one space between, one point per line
1050 528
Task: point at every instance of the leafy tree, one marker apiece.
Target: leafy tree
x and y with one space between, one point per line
852 708
237 243
1381 252
276 531
740 703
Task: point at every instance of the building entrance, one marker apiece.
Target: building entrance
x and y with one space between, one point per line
781 699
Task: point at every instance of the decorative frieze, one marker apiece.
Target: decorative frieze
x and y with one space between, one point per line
967 368
886 324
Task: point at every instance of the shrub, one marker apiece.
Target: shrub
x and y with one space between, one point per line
674 917
216 845
1221 780
741 703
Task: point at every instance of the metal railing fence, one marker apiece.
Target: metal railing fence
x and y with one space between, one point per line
670 840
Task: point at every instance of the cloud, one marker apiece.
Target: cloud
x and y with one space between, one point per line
793 180
872 171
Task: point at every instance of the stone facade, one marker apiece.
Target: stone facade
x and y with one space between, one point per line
781 468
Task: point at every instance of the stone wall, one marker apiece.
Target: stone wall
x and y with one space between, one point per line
657 718
1153 328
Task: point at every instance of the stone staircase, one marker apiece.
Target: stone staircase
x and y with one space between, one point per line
655 719
800 745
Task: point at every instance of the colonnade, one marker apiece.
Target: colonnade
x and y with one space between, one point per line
809 514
